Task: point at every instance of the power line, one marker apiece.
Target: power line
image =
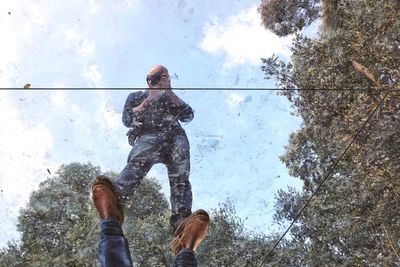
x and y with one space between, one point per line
185 89
325 178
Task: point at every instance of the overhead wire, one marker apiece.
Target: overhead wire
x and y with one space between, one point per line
186 89
325 178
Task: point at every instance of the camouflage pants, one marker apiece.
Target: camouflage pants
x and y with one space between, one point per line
171 149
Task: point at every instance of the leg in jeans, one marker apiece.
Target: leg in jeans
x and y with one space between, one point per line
144 154
113 246
178 172
185 258
114 249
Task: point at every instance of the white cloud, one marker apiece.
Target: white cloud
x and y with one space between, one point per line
30 28
93 7
59 84
111 118
234 100
243 39
86 49
92 74
9 47
24 151
58 97
130 3
35 15
108 117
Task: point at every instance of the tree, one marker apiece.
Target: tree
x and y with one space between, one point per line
353 218
60 224
11 256
228 244
56 224
59 227
284 17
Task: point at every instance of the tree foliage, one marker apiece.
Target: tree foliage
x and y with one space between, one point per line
346 71
284 17
55 224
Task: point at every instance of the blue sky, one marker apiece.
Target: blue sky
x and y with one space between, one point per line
236 136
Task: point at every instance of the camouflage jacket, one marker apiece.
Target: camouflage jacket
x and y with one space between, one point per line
160 116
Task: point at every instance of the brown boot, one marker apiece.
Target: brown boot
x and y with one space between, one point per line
105 199
191 231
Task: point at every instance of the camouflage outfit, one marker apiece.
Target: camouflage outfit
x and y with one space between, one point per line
157 137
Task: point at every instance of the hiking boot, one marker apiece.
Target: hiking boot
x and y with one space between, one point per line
105 199
191 231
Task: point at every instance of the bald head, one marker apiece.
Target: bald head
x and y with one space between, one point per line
157 70
158 77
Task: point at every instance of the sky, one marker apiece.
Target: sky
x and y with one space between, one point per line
236 136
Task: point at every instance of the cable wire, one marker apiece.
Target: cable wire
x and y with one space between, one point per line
187 89
325 178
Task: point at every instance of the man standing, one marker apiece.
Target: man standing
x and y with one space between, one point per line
156 136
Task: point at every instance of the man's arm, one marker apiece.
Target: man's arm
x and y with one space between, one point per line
139 106
153 97
185 112
129 115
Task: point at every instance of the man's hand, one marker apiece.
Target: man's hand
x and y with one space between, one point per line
153 97
155 93
175 100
